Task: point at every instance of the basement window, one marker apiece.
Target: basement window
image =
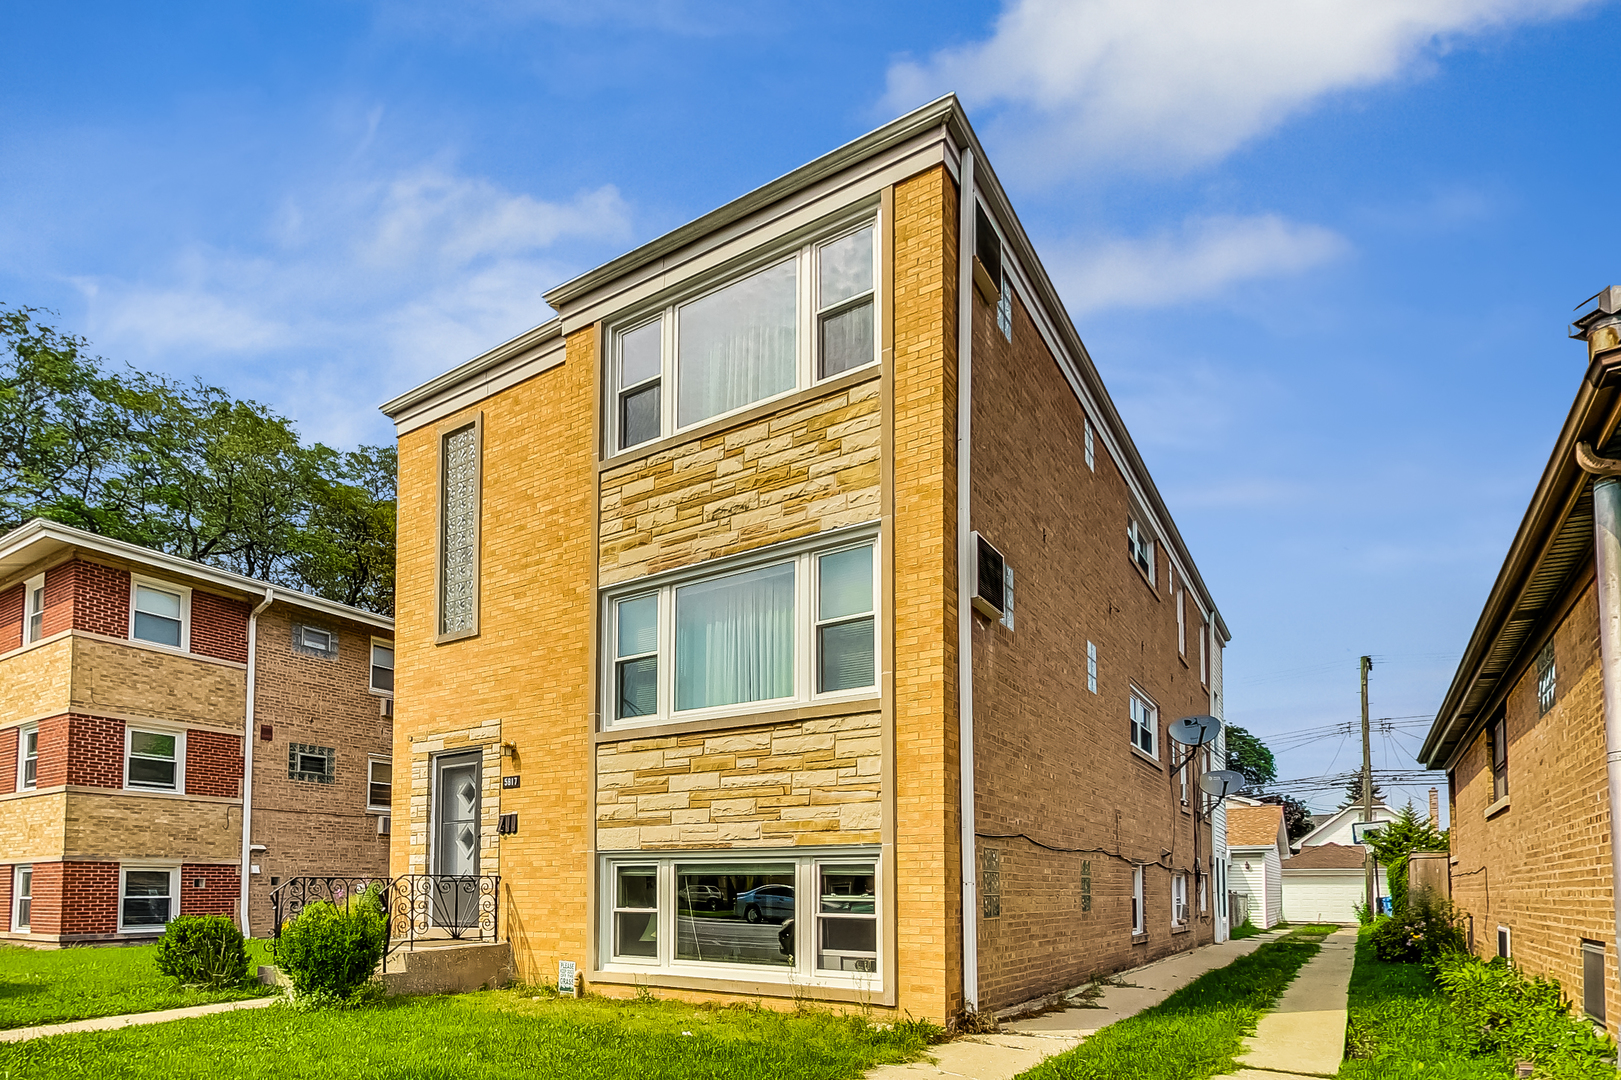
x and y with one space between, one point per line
1593 979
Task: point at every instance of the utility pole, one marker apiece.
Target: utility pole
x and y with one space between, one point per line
1369 866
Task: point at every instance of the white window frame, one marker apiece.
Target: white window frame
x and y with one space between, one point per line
1089 439
1138 698
808 310
1091 667
1181 623
1139 921
379 808
1505 943
803 553
1182 777
379 643
173 870
1141 548
32 588
136 583
1179 899
149 728
19 925
22 757
1204 649
802 972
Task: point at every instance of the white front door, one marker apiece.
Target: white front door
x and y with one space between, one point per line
456 839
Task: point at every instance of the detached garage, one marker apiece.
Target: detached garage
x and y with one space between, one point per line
1324 883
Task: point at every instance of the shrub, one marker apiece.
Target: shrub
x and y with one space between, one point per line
330 952
1363 913
1522 1019
1421 930
203 950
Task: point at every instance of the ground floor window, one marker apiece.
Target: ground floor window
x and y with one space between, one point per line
148 897
1179 899
1138 921
1593 979
22 898
1505 945
729 916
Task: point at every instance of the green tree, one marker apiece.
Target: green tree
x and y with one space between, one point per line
1353 790
1250 756
1392 843
1296 817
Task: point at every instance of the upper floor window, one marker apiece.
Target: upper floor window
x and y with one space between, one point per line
1091 667
160 614
379 784
1497 747
1204 649
1547 678
791 629
807 316
1140 546
1144 725
460 480
154 760
1088 438
315 641
1181 622
34 601
28 757
382 666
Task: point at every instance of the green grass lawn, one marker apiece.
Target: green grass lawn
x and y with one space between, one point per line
1246 929
51 986
1402 1026
1194 1033
489 1035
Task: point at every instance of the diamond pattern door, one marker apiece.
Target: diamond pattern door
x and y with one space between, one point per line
455 888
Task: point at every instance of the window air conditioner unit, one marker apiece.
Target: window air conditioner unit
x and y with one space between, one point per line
385 707
384 824
987 257
990 579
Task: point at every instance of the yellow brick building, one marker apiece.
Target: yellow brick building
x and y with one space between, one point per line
689 574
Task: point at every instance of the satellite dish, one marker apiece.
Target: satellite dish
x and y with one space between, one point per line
1194 730
1221 784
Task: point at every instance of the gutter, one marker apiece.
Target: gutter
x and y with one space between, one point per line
965 607
247 753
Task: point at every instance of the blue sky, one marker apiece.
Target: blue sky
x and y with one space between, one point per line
1324 255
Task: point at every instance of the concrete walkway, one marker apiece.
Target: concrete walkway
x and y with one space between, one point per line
109 1023
1305 1034
1023 1044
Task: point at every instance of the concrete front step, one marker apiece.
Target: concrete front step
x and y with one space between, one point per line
436 967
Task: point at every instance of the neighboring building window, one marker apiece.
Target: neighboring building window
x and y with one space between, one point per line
1004 309
1140 547
1505 946
1204 892
159 614
818 917
34 609
1547 678
743 637
1182 779
1181 622
459 481
1593 979
148 898
28 757
1091 459
1179 899
22 898
1139 923
379 784
739 343
1144 725
1091 667
1204 649
1497 747
154 760
382 666
316 764
315 641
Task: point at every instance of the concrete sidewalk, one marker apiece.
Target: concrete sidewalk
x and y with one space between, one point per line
1023 1044
1304 1035
109 1023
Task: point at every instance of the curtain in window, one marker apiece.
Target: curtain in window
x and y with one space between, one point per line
734 639
737 345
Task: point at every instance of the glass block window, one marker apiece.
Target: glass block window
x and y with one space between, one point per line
1547 678
458 532
315 641
315 764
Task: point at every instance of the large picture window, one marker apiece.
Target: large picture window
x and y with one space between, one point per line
809 315
799 916
791 628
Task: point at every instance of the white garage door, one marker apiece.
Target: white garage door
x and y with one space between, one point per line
1322 896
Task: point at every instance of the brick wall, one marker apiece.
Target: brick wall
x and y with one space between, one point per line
11 619
60 585
100 598
95 752
219 627
89 898
1541 866
7 882
55 751
213 764
308 827
8 760
1053 763
113 677
220 893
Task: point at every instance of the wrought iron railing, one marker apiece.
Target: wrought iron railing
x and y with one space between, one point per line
419 907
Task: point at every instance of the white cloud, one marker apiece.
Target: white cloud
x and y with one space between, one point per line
1177 83
1197 260
360 290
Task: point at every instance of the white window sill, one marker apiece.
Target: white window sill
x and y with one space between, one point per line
1497 807
711 974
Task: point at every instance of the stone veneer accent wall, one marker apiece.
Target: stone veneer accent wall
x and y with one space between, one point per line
423 749
801 471
810 782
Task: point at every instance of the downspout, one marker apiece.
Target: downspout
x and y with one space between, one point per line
247 755
965 564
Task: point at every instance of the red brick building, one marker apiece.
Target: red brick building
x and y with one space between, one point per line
125 682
